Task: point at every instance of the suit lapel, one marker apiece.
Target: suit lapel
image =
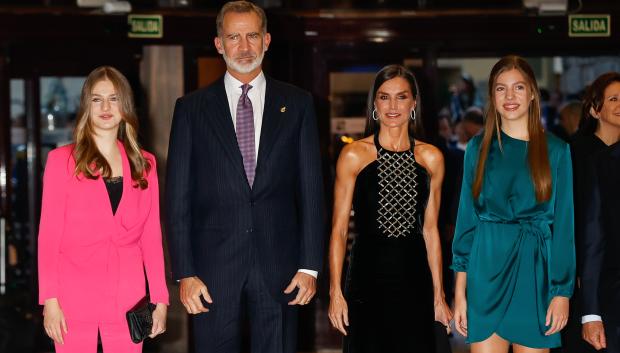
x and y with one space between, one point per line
272 118
127 179
224 128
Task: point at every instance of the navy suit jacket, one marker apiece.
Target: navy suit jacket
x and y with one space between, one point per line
600 275
217 225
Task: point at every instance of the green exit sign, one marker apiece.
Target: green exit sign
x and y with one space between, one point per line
146 26
589 26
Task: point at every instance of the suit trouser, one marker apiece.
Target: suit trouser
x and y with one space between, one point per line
612 335
81 337
273 324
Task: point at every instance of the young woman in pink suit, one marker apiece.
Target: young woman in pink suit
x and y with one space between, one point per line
100 226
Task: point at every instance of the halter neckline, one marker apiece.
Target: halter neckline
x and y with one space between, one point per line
379 147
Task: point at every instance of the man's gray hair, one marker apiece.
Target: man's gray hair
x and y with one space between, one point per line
240 7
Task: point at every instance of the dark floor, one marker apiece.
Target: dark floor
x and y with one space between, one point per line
328 339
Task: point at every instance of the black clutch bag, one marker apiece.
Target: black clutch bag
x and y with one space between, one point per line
140 320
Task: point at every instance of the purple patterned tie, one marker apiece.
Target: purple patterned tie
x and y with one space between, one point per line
245 133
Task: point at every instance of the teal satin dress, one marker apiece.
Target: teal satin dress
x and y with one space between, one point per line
518 253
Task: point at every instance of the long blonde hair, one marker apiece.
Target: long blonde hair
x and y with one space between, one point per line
537 156
89 161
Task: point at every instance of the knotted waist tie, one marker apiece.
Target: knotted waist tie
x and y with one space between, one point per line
114 263
539 232
115 246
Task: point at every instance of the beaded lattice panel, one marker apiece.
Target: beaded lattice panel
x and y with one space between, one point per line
397 192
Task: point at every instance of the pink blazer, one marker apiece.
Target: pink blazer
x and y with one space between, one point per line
93 261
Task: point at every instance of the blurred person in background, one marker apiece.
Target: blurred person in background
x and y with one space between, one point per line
473 122
464 96
550 107
568 121
597 208
468 127
461 137
445 128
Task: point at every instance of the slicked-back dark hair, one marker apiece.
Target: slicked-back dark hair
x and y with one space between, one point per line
385 74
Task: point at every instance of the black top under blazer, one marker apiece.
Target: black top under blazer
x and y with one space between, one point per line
217 225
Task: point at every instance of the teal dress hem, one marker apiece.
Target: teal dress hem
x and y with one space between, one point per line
518 253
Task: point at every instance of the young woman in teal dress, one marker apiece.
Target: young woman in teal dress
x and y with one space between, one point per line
514 244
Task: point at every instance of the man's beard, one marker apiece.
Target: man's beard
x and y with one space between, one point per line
244 68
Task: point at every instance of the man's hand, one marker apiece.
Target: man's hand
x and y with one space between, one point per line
594 333
191 288
307 288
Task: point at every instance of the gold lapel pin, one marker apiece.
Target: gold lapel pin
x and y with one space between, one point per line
282 110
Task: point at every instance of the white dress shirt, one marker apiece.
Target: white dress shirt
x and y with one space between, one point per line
257 96
590 318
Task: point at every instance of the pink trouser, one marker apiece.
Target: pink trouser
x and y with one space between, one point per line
81 337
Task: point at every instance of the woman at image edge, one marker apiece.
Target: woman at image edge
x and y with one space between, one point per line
100 225
513 247
394 290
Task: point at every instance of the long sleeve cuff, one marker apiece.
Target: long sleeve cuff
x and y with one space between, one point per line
459 264
564 291
312 273
162 298
590 318
47 295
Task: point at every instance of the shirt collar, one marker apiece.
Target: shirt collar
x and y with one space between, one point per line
235 85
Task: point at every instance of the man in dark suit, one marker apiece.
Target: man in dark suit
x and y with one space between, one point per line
600 277
245 212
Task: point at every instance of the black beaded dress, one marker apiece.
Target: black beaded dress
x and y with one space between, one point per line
389 285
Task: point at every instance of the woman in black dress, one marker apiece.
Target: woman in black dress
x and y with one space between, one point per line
393 291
